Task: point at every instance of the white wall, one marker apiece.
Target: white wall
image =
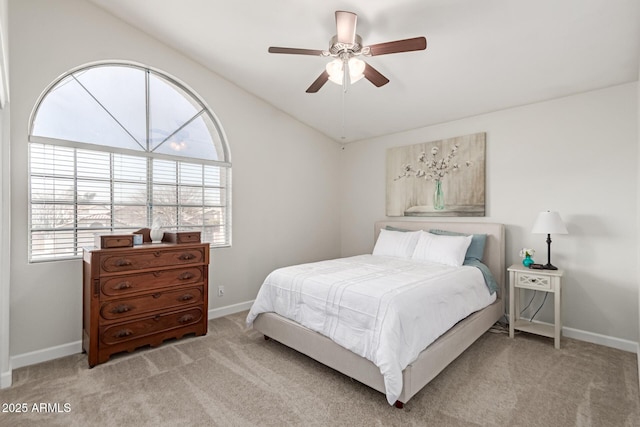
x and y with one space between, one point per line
285 190
577 155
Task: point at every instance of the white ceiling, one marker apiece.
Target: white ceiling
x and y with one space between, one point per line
481 56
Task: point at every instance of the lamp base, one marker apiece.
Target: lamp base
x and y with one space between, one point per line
549 267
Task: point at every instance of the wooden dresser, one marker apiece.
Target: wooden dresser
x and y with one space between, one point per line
142 295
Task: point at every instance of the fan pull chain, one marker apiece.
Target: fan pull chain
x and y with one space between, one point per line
346 77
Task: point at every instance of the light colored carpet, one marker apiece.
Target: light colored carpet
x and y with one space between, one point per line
233 377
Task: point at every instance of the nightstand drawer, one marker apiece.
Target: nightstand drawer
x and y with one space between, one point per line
533 281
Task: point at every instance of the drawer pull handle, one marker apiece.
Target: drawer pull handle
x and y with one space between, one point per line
533 280
157 273
121 308
156 317
122 333
186 297
186 257
186 318
186 276
156 295
156 253
122 286
123 263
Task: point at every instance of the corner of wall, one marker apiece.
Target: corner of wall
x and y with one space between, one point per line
5 203
5 251
638 211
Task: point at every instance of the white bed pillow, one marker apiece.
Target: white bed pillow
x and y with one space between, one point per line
449 250
396 243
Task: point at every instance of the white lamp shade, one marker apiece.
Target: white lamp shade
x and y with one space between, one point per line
549 223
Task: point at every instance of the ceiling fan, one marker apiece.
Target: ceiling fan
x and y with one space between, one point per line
346 46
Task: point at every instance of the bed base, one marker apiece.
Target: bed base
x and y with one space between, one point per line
431 360
429 363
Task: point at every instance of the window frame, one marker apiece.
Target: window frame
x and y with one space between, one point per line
224 164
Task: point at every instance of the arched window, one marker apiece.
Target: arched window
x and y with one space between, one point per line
116 147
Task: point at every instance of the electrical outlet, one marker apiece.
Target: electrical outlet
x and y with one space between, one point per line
220 291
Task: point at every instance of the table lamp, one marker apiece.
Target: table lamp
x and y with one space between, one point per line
549 223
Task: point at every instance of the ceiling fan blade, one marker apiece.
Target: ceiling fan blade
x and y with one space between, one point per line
295 51
374 76
346 26
320 81
406 45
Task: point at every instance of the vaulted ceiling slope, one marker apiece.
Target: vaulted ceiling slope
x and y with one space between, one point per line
481 56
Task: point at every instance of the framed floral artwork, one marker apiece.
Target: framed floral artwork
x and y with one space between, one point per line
437 178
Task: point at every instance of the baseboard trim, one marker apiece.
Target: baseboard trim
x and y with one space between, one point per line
593 338
229 309
46 354
6 379
607 341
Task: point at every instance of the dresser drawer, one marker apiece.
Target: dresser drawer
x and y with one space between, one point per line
533 281
166 300
133 283
122 332
150 259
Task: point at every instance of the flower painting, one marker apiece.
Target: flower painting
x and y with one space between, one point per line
438 178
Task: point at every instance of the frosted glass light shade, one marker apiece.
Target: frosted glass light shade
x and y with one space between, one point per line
336 70
356 69
549 223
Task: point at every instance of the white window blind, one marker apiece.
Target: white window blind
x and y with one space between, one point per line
76 193
86 180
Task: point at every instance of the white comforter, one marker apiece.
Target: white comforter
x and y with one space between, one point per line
385 309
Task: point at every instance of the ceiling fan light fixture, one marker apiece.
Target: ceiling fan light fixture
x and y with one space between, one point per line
335 69
346 47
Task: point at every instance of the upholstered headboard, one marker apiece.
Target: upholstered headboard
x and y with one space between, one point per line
494 256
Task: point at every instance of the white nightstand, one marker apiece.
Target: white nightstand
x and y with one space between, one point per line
521 277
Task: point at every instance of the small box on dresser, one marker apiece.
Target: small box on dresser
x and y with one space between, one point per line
181 237
142 295
105 241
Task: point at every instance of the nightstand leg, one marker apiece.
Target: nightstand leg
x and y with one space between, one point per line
512 298
557 319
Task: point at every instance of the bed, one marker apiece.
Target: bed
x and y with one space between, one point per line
429 361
